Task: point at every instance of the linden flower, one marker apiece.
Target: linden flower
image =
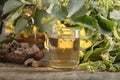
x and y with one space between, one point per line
9 27
115 14
105 57
81 54
9 24
84 43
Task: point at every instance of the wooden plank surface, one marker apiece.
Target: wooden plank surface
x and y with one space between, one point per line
20 72
9 71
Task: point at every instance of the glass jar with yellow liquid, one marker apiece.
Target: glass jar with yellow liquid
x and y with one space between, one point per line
64 49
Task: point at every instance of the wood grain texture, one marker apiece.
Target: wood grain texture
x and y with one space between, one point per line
21 72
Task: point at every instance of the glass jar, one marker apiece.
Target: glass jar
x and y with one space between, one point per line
64 49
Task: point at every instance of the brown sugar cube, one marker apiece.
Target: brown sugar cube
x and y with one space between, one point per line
14 58
32 62
6 51
15 43
28 51
7 46
39 55
28 61
12 49
18 52
20 49
24 45
35 48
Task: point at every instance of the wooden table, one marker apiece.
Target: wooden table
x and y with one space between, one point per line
9 71
21 72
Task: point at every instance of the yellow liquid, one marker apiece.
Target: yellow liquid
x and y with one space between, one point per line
64 52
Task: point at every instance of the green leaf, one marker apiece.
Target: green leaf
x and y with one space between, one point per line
74 6
39 4
105 23
82 11
2 38
26 1
47 3
89 23
20 25
47 20
90 52
83 66
6 41
59 12
117 65
39 15
96 54
87 20
11 5
50 1
103 31
116 34
116 53
87 55
16 14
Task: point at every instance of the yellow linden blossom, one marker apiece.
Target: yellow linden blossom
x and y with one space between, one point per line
81 54
82 32
60 28
65 43
34 30
24 34
58 23
62 25
84 43
10 25
8 31
9 28
67 31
